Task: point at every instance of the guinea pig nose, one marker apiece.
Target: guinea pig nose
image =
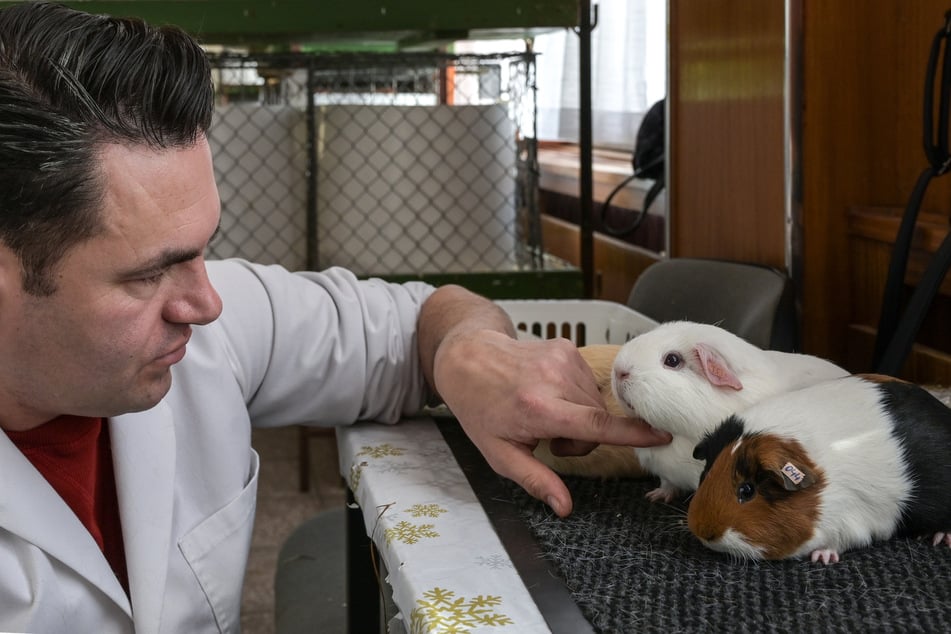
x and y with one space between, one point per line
621 375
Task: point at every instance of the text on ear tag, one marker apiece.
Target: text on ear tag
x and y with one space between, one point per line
792 473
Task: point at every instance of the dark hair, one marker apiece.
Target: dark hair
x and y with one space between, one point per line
69 83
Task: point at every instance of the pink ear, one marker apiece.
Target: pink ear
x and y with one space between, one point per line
716 369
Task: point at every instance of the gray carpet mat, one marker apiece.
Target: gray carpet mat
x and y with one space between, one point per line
632 566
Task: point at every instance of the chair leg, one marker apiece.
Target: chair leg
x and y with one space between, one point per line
363 591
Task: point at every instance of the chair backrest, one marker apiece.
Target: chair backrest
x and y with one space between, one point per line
754 302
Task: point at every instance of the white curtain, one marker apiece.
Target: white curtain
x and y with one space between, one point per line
628 73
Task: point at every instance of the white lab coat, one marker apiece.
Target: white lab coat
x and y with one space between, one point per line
288 348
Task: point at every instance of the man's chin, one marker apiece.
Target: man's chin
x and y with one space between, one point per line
150 396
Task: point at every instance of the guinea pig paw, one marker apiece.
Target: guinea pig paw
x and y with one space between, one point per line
825 555
941 538
662 494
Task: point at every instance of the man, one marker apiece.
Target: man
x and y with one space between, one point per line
128 480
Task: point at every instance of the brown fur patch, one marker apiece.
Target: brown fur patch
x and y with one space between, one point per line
605 461
774 518
881 378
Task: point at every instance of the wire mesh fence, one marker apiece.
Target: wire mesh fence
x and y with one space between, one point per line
403 163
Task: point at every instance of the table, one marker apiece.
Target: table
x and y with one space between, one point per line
632 565
454 563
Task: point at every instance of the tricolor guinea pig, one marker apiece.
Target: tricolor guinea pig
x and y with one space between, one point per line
824 469
606 461
685 378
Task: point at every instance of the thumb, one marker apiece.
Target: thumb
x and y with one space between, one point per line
544 484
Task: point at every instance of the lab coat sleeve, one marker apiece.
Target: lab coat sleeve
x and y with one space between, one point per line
320 347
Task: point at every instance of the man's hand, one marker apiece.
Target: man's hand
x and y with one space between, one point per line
509 394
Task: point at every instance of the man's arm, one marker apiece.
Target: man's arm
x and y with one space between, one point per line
509 394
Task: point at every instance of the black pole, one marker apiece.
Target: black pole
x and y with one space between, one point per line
584 142
311 118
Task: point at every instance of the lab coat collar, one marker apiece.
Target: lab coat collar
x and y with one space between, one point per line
31 509
143 450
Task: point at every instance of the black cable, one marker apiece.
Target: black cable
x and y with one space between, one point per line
896 330
649 197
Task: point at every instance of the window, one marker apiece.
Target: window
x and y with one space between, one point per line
628 73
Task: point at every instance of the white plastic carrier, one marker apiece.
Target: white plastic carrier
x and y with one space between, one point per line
583 321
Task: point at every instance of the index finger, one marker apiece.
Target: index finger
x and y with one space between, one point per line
592 424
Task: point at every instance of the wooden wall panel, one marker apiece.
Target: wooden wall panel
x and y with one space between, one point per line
617 264
727 193
861 67
864 66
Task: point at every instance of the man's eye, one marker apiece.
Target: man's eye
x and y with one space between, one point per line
152 279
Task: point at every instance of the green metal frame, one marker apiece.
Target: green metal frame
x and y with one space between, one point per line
375 25
347 23
547 284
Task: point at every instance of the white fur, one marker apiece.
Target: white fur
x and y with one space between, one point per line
686 404
843 426
734 543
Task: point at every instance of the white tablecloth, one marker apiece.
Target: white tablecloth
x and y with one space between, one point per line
448 570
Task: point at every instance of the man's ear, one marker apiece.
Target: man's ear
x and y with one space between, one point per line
11 274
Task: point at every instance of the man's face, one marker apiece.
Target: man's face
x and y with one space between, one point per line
104 342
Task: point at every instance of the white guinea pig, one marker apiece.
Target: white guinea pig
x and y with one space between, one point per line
827 468
685 378
606 461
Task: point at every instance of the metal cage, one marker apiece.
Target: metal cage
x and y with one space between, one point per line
385 163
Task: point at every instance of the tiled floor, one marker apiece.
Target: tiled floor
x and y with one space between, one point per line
281 508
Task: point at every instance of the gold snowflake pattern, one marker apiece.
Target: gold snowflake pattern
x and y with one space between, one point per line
441 611
356 470
381 451
426 510
409 533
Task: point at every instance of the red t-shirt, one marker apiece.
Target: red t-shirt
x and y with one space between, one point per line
74 455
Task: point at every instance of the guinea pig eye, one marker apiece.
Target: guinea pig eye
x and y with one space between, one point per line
673 360
745 492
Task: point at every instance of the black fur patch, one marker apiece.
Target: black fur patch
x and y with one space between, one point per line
922 425
713 443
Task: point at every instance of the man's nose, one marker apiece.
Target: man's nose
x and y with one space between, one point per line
196 300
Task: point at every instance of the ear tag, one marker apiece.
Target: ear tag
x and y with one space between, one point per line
792 473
